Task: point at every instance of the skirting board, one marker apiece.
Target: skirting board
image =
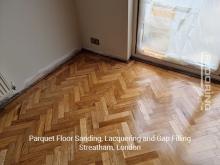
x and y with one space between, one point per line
48 69
42 73
107 55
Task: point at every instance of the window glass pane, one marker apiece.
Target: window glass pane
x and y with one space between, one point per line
180 30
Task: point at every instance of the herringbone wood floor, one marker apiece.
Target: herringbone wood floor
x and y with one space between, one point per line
94 95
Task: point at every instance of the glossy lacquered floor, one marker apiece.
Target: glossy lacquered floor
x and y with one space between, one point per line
99 96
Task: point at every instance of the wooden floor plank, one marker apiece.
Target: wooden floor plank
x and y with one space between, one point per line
95 95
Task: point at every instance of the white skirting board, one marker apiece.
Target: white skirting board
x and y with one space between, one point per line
48 69
39 75
108 55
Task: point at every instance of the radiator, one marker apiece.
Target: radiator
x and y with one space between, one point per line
5 88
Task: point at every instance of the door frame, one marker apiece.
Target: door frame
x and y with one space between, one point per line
187 69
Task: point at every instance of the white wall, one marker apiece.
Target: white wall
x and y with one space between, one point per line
107 20
130 25
35 34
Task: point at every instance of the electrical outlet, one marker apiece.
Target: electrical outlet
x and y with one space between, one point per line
94 41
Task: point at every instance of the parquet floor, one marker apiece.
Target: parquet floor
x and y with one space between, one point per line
94 95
